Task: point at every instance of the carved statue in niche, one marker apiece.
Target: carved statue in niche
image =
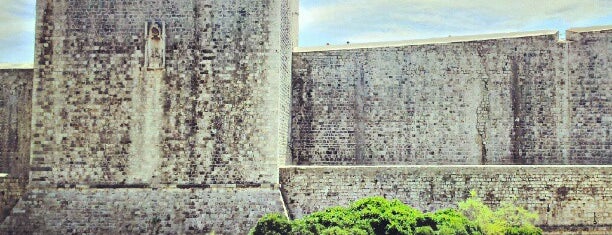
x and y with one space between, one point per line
155 58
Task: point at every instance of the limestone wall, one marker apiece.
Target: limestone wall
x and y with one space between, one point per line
289 40
114 103
590 95
15 121
157 116
173 116
497 99
568 198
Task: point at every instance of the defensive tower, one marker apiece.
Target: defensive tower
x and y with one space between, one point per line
171 103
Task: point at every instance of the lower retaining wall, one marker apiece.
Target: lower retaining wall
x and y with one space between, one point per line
141 211
568 198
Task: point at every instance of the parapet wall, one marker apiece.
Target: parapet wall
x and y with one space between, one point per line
502 99
567 198
589 88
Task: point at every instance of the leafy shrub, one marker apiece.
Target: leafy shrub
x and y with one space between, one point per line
424 230
272 224
377 215
446 231
507 219
453 220
524 230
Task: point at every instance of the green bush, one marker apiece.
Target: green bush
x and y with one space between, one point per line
377 215
507 219
453 220
446 231
424 230
272 224
524 230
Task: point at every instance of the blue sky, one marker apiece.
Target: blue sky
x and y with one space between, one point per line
339 21
17 19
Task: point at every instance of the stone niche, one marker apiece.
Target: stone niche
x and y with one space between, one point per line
155 34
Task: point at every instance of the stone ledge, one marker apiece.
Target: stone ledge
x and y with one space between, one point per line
590 29
166 186
450 166
451 39
16 66
444 40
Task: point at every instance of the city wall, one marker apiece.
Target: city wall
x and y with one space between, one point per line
522 98
567 198
177 116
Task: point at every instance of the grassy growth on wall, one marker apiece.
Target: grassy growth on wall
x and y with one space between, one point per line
377 215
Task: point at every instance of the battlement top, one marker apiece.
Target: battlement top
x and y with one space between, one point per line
16 66
450 39
590 29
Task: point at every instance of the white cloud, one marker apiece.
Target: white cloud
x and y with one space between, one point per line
338 21
376 20
17 21
16 16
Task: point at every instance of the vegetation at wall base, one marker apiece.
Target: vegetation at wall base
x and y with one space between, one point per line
377 215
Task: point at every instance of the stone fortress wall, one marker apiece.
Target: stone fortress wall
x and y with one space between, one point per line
567 198
499 99
110 107
194 116
519 116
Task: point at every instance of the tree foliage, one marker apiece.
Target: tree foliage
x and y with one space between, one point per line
507 219
377 215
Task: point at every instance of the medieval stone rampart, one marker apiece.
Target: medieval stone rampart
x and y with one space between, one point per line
567 198
523 98
190 117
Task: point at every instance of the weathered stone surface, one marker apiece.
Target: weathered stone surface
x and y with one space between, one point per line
211 115
175 116
589 89
566 197
134 98
142 211
482 101
15 121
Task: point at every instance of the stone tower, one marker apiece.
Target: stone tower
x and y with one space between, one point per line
180 107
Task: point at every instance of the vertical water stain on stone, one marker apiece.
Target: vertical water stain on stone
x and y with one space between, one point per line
516 99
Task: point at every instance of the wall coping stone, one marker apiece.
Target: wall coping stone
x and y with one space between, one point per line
453 166
6 66
442 40
450 39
